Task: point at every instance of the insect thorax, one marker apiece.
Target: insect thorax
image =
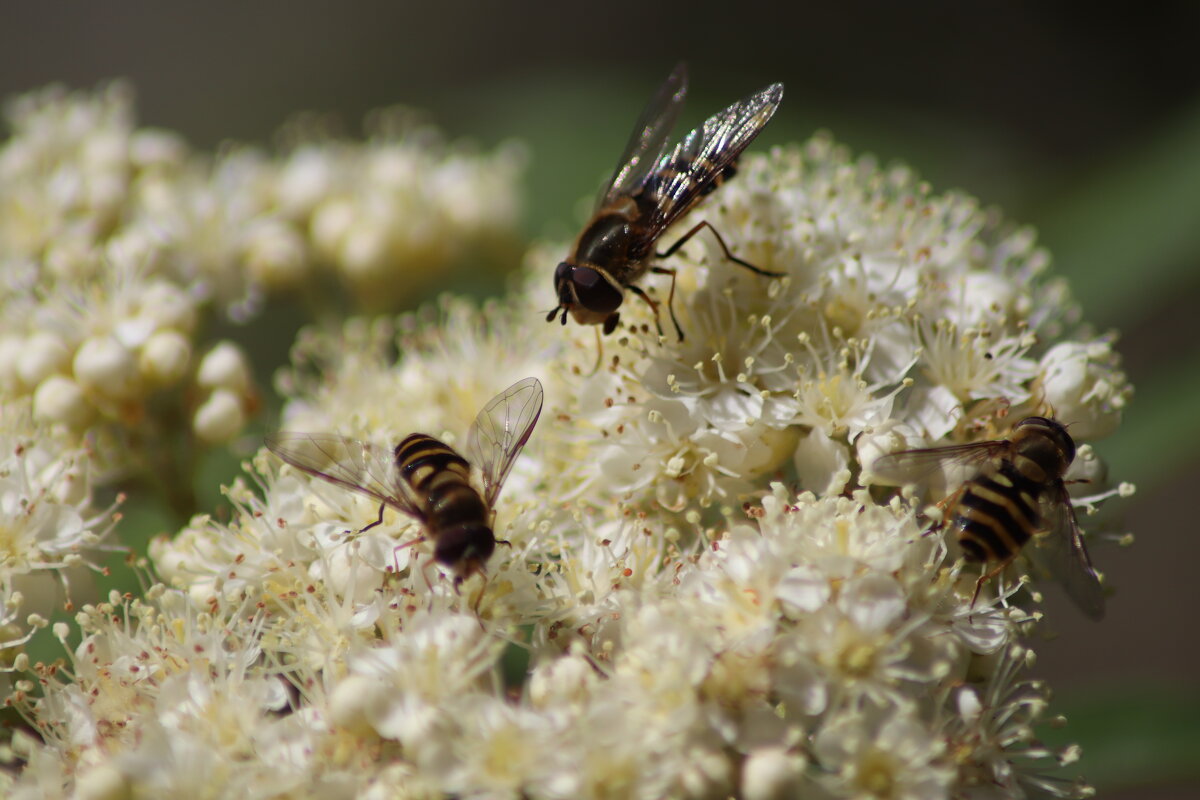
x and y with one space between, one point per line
1043 449
606 243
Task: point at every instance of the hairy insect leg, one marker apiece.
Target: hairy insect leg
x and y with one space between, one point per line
724 248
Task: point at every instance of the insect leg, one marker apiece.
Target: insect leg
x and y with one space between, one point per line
724 248
376 522
653 305
599 352
670 298
989 575
399 547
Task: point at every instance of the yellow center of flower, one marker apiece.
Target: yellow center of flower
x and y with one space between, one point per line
877 774
11 549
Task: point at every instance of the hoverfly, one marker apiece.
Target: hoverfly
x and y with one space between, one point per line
1017 493
426 479
650 189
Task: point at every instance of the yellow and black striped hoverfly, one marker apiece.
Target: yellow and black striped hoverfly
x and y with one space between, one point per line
427 479
650 189
1016 493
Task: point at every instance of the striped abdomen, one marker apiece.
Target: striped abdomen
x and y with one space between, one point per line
440 479
997 513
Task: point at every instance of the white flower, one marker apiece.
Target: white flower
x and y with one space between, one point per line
665 616
990 734
1082 383
883 753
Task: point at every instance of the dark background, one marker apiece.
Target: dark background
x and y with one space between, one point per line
1083 124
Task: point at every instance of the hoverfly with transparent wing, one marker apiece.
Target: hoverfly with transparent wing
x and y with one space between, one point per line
428 480
650 189
1016 493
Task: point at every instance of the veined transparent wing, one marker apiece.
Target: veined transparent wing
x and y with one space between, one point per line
1059 552
501 431
918 466
680 178
649 136
358 466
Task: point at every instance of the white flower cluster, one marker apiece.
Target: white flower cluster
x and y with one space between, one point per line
117 242
51 537
666 617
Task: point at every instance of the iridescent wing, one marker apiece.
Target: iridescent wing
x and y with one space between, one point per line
500 432
1059 553
358 466
918 466
649 137
680 179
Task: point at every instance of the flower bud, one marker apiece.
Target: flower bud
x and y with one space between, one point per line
220 418
107 367
58 399
1084 387
351 703
225 367
331 223
275 254
366 251
771 772
103 782
306 179
43 355
164 357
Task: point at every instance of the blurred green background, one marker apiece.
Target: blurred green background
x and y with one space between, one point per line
1084 125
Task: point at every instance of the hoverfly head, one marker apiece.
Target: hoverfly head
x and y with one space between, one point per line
465 549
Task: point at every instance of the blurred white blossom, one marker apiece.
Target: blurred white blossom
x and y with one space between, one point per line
118 243
700 596
52 537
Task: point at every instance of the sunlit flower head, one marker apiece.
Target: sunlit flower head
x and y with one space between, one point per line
698 588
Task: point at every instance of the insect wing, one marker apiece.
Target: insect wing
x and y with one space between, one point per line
1060 553
679 179
919 466
649 137
500 432
358 466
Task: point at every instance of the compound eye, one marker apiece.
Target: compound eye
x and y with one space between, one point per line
561 272
595 291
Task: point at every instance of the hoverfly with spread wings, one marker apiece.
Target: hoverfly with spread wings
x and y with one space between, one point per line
426 479
650 189
1016 493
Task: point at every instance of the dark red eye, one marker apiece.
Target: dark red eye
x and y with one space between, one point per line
595 291
561 274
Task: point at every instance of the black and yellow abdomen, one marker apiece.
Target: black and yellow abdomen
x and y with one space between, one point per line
441 479
997 513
